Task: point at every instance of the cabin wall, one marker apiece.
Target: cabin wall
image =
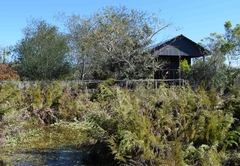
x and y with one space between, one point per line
170 71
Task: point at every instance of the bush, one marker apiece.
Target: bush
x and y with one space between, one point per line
172 125
6 73
157 127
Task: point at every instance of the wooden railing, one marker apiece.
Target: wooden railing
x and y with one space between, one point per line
167 74
126 83
91 84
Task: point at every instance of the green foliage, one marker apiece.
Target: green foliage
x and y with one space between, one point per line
114 43
214 72
231 45
43 103
232 105
154 126
5 53
9 98
171 125
204 155
41 54
184 68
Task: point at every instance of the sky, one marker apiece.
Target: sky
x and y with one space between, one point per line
195 18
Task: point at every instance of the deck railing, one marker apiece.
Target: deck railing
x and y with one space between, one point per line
91 84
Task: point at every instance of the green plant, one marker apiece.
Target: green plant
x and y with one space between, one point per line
153 126
184 68
170 125
9 98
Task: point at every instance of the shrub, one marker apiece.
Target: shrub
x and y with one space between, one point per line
156 126
6 73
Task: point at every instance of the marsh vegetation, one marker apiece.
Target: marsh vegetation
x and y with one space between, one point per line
194 124
170 125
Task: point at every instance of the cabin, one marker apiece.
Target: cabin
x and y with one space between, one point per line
172 51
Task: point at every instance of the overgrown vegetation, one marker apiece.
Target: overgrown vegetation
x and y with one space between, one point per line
195 124
111 43
42 53
166 126
6 73
221 69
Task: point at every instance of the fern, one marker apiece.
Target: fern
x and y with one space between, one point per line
10 98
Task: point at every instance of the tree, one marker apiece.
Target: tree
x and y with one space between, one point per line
231 44
82 54
210 73
214 72
4 54
42 53
6 71
114 43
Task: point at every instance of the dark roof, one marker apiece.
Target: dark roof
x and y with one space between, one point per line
179 46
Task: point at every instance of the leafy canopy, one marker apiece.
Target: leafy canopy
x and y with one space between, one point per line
42 53
114 43
220 69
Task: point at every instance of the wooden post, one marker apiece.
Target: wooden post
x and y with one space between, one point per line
179 77
204 66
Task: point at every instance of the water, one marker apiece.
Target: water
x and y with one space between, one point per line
56 157
64 156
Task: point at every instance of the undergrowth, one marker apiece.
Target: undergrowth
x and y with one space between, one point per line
170 125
